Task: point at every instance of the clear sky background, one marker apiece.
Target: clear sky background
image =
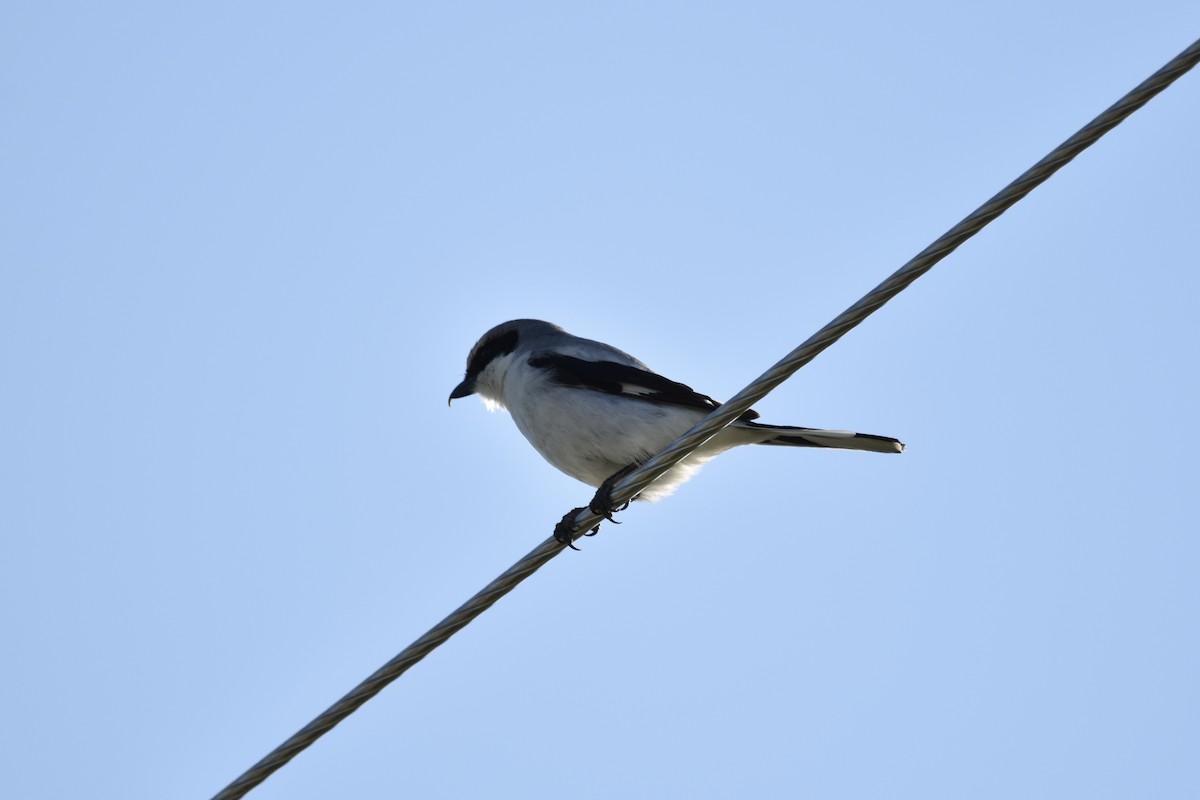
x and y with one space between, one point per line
245 249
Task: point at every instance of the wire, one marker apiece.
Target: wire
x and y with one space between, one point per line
946 244
718 419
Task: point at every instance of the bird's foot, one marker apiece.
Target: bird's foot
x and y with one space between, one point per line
565 529
602 503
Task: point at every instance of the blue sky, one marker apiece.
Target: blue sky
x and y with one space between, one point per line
246 249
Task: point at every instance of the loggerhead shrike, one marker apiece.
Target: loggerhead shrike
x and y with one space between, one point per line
597 413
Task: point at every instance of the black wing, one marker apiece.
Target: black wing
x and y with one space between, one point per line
621 379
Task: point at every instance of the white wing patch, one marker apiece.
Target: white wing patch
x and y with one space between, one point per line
635 390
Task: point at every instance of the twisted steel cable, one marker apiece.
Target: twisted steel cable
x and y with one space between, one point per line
917 266
718 419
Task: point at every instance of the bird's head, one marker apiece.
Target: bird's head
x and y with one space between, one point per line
489 359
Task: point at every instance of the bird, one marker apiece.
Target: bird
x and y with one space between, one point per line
597 413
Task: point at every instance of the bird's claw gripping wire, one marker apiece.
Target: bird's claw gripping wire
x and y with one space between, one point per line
566 527
601 505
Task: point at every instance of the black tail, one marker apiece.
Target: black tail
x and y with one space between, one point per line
790 436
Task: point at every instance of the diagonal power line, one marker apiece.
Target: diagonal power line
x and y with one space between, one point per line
718 419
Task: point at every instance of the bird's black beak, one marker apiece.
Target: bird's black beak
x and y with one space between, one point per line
464 389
